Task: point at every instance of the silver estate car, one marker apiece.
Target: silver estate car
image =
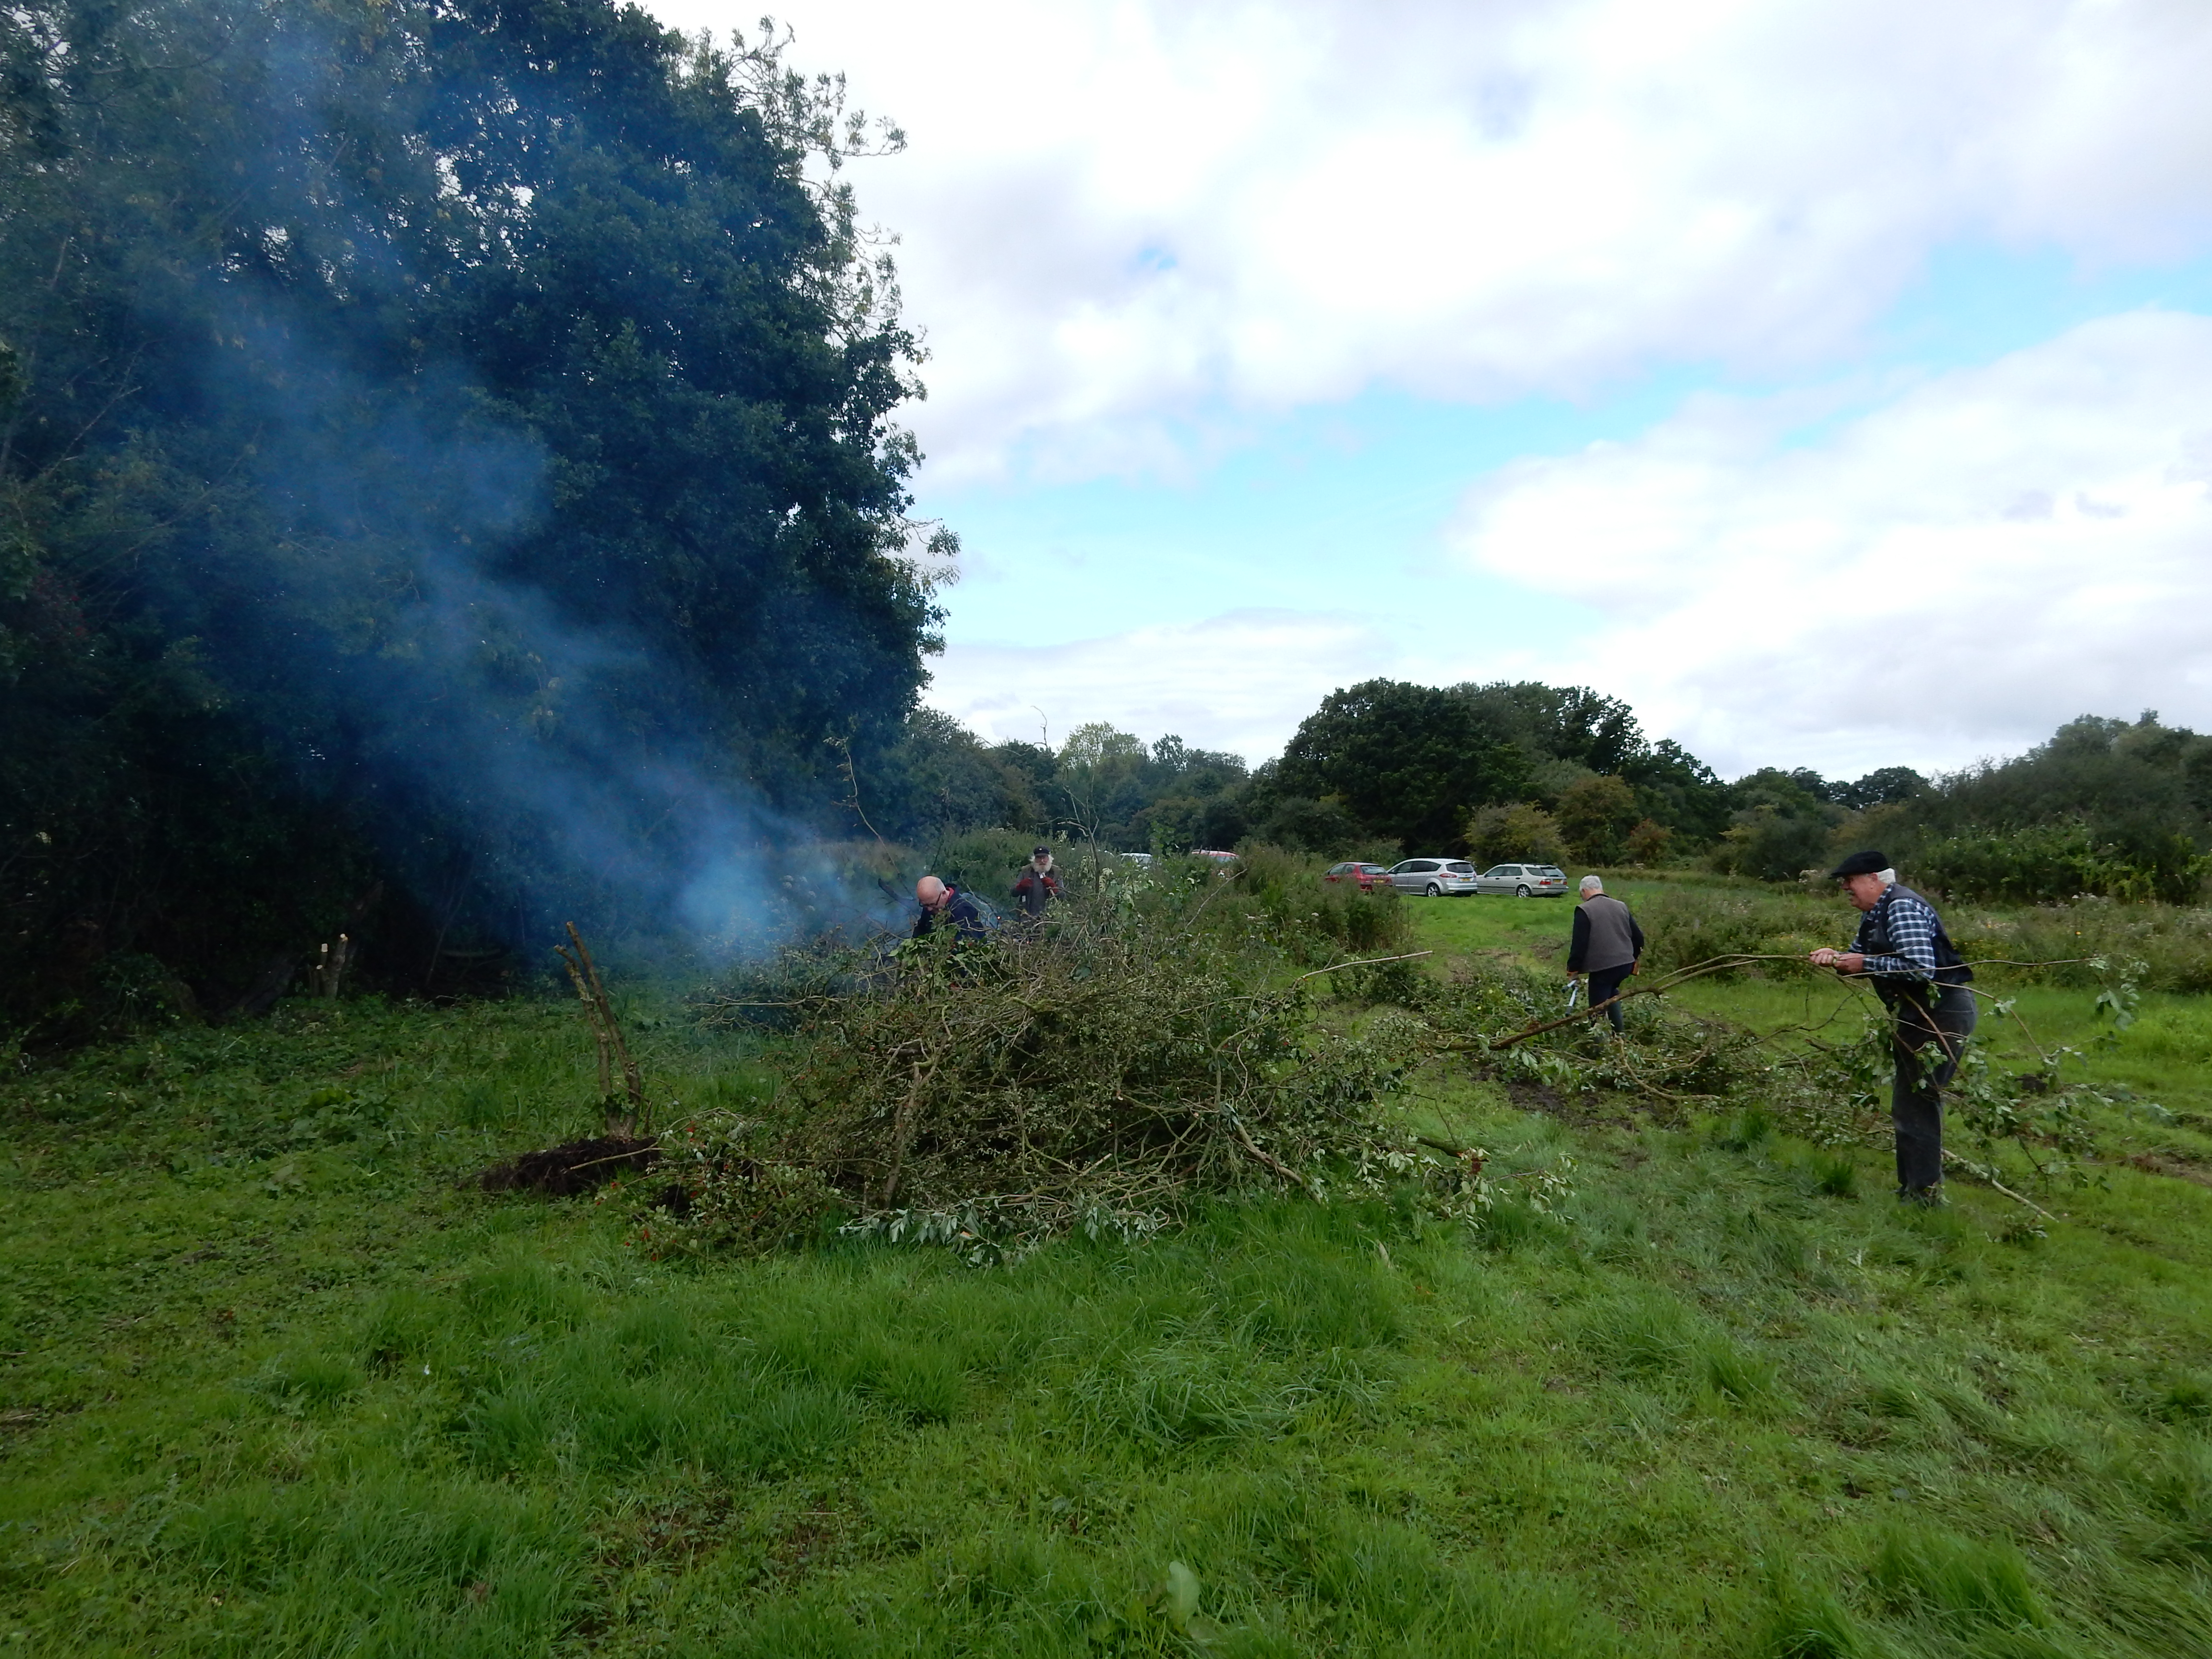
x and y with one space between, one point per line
1434 877
1524 880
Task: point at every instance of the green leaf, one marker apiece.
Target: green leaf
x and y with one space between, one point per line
1181 1588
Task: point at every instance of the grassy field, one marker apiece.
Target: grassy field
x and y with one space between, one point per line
279 1380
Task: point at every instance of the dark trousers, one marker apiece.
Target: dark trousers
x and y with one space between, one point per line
1604 982
1927 1042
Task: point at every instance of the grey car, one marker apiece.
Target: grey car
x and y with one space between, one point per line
1433 877
1524 880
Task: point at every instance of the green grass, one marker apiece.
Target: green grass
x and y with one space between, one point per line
278 1382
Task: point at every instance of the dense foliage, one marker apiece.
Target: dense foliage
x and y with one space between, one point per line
445 443
2107 807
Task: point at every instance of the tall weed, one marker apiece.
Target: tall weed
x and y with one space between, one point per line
1313 920
2173 942
1684 924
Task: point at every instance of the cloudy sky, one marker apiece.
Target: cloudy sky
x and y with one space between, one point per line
1833 382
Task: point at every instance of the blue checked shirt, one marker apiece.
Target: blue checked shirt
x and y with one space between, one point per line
1912 930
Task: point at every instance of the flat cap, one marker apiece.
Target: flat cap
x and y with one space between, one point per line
1869 863
1040 851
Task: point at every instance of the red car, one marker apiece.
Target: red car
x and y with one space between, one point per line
1368 876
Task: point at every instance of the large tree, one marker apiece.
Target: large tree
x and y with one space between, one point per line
1408 761
444 438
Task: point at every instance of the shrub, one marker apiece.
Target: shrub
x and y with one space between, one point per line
1771 844
1596 815
2058 861
2173 943
1685 923
1647 843
1520 831
1313 920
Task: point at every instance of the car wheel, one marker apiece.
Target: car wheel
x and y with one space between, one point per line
1519 892
1434 891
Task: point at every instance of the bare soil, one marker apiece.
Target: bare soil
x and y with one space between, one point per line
579 1166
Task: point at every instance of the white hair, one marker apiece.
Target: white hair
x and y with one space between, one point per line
1888 878
1593 884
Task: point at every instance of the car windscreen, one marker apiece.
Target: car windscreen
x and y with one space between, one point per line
1460 869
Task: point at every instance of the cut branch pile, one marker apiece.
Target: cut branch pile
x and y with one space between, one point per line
1104 1075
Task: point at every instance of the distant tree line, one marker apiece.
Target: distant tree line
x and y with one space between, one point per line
1381 767
1508 771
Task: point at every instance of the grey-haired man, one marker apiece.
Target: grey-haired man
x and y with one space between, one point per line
1921 980
1605 946
1039 884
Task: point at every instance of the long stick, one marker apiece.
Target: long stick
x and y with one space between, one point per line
1715 965
591 1019
632 1082
1990 1175
1372 961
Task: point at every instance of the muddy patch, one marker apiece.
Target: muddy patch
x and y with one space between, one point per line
2175 1167
581 1166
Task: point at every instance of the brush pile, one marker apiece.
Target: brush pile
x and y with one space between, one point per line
1095 1078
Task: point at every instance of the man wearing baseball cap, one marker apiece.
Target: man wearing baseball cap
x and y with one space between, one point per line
1921 980
1039 884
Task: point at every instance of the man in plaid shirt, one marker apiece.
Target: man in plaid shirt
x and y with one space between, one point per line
1921 980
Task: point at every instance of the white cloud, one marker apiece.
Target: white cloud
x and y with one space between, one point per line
1981 556
1240 682
1120 215
1955 573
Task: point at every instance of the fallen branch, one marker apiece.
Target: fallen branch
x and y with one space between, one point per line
1372 961
1681 976
1990 1175
1268 1159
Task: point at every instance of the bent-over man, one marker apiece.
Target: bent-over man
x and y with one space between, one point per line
1921 980
1605 946
946 906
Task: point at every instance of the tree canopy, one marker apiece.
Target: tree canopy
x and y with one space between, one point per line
446 442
